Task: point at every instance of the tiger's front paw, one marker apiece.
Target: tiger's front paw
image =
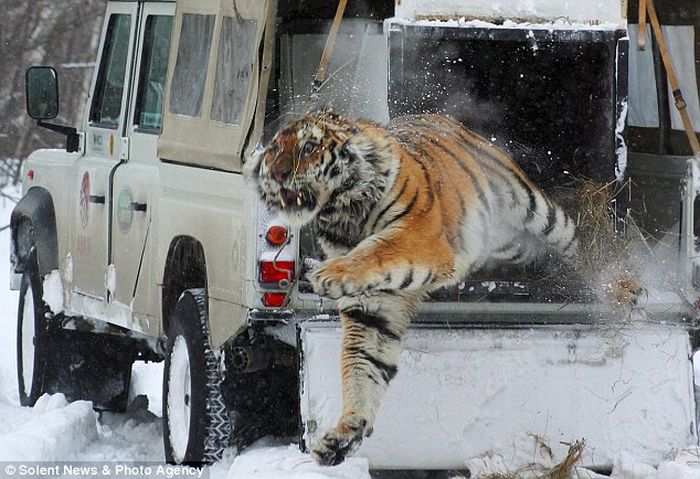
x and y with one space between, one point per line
340 441
333 279
624 291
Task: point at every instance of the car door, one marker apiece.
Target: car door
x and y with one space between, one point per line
105 149
136 180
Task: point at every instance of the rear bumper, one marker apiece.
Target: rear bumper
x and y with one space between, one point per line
469 396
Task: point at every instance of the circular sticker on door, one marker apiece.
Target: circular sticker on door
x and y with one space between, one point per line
125 214
84 200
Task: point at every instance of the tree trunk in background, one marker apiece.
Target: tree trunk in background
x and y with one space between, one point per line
63 34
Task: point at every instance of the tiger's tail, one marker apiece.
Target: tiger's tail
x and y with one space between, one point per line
544 227
551 225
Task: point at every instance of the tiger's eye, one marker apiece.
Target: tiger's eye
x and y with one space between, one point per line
309 148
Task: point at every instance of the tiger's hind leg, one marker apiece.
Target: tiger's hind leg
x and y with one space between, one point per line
372 330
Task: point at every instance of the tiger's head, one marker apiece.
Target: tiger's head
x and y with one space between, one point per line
323 159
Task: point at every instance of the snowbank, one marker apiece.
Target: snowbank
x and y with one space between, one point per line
136 435
55 431
287 462
686 465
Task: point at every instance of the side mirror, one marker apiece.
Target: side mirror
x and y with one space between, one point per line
42 103
42 93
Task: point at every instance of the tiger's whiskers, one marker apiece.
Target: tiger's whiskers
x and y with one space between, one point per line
297 163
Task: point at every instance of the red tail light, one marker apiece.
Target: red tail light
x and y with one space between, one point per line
272 272
274 300
276 235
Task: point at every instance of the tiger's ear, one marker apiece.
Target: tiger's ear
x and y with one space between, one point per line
254 153
252 162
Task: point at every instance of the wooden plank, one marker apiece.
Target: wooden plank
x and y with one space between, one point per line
672 79
328 49
642 26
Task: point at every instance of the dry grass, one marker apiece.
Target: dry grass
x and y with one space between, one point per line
606 240
564 468
597 222
561 470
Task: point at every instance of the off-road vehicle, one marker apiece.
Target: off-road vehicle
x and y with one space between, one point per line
142 241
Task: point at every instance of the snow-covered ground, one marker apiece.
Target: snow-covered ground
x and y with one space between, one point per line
55 430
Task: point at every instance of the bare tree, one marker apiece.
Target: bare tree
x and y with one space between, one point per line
43 32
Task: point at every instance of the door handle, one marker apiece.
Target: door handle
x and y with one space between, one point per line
100 200
136 206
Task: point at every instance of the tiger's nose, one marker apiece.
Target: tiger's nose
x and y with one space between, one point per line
280 176
281 173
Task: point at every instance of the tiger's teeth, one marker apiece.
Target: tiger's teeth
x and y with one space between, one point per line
284 203
298 200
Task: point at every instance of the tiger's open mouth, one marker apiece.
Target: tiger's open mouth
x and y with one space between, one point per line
296 199
290 198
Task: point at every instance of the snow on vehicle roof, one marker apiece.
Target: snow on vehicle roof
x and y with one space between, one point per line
463 22
601 11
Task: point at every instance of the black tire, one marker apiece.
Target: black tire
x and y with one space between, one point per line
196 424
33 320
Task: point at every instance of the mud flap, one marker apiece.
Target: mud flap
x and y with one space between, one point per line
89 366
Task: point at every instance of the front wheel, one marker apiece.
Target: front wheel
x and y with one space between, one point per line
196 426
32 334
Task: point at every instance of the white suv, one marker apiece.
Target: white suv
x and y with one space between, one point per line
141 241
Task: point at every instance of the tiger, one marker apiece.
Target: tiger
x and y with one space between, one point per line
399 211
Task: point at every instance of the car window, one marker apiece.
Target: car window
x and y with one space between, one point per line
234 69
187 87
356 80
154 66
107 101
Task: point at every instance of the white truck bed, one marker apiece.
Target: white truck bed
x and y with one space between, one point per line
467 397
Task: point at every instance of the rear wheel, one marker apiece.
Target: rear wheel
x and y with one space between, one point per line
197 427
32 334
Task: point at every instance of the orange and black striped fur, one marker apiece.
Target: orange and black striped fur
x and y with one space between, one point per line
400 211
